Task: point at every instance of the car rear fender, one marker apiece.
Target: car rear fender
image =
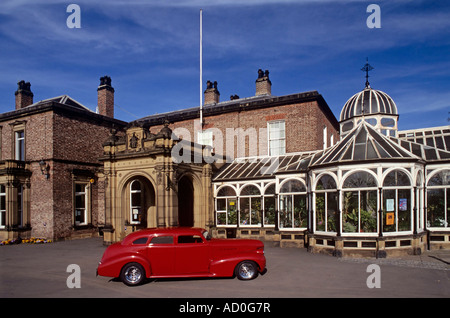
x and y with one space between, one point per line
118 263
224 267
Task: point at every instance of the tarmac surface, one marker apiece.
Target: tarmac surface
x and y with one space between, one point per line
43 271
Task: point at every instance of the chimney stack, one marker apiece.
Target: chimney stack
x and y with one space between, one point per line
105 102
211 93
24 96
263 83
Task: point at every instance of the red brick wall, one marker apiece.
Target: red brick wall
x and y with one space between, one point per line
304 124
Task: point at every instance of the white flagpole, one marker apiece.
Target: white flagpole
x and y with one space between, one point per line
201 68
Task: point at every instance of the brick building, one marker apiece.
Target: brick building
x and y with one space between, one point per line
161 169
49 167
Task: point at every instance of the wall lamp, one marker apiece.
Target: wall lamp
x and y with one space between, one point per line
44 168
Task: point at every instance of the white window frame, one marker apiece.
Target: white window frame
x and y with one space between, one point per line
281 138
81 209
19 145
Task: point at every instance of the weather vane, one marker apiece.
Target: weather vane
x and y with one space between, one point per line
367 68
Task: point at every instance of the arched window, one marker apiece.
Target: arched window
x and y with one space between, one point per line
136 201
226 203
293 212
438 199
397 204
250 206
359 213
270 205
326 204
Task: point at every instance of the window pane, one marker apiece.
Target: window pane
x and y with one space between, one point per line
331 211
162 240
368 211
226 192
389 211
396 178
250 190
293 186
350 212
286 211
326 182
320 211
360 179
269 210
256 211
221 205
404 210
245 211
436 207
232 211
300 215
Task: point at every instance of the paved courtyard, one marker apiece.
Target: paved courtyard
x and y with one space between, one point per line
41 271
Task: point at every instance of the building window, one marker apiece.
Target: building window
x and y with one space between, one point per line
20 145
205 138
250 206
293 212
326 204
438 200
270 205
325 137
359 213
2 206
226 206
277 137
81 199
136 201
397 205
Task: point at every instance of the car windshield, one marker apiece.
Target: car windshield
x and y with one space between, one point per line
206 235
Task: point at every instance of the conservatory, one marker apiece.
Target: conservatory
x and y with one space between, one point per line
371 194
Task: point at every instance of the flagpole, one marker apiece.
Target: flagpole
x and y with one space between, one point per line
201 68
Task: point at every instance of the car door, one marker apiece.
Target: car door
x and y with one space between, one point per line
161 254
191 255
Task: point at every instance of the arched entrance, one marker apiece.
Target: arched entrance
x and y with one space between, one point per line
185 202
140 199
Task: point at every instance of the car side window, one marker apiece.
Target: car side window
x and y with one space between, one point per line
162 240
186 239
141 240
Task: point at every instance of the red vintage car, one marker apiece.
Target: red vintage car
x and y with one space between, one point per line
181 252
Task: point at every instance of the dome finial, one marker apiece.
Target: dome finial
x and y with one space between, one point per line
367 68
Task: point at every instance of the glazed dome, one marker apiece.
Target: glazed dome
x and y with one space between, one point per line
368 102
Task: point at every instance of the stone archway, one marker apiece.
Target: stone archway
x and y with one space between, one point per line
185 202
140 203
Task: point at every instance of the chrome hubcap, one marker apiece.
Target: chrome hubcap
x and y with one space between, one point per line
246 270
133 274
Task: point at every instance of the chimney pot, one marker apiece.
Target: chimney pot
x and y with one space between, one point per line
105 93
211 93
263 83
24 96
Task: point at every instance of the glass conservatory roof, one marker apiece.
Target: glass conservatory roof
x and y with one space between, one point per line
362 144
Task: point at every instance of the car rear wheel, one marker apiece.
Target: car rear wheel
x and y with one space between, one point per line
132 274
246 270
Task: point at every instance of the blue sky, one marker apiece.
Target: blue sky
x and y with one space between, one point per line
151 51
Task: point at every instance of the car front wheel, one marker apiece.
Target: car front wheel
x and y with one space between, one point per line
132 274
246 270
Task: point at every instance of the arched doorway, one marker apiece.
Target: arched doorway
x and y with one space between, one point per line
141 203
185 202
